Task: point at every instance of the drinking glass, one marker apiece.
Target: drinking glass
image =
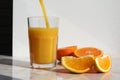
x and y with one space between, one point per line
43 42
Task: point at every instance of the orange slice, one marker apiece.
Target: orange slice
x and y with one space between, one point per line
103 64
66 51
88 51
78 65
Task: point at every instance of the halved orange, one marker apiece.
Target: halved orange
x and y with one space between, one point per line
103 64
65 51
78 65
88 51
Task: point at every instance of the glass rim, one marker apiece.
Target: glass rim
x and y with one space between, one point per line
43 17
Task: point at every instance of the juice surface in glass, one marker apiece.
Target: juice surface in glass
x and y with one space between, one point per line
43 45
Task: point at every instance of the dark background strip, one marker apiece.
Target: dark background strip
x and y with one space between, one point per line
6 11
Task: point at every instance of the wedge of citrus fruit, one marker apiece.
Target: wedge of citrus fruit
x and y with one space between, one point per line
103 64
88 51
78 65
66 51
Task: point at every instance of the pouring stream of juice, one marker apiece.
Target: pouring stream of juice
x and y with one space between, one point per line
44 13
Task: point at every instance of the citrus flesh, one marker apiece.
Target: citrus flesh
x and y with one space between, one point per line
88 51
66 51
78 65
103 64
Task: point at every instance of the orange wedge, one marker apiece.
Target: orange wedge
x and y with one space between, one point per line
78 65
103 64
88 51
66 51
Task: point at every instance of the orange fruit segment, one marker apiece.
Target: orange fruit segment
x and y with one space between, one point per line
66 51
78 65
88 51
103 64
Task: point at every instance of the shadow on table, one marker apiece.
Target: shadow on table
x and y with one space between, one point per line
3 77
7 60
25 64
7 67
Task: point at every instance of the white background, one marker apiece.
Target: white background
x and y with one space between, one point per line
83 23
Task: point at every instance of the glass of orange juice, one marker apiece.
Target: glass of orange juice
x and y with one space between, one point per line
43 42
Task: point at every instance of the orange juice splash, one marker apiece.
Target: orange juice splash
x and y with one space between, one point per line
44 13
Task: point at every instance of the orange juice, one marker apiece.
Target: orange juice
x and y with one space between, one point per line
43 45
44 13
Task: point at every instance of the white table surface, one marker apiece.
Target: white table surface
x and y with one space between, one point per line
20 70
